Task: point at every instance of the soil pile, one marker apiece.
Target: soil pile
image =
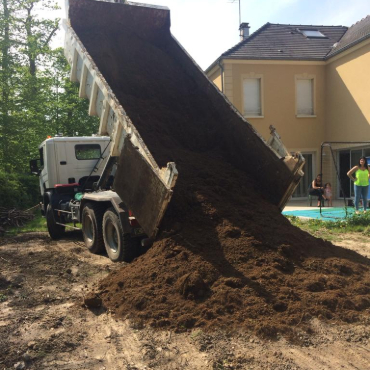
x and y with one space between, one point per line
225 256
234 261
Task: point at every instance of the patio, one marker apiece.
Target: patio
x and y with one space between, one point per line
294 205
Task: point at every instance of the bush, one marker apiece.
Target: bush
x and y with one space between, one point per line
362 219
19 191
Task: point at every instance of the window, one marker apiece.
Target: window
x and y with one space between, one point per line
252 97
87 151
305 97
312 33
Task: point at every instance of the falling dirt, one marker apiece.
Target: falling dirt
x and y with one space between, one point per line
225 256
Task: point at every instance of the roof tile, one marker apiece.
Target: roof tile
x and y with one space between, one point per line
285 42
355 34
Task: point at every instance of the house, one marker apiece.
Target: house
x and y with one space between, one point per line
313 84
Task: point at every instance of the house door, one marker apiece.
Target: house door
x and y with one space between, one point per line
355 159
302 189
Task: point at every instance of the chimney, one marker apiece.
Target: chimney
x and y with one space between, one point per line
244 31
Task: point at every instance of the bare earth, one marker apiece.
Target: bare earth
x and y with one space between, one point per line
44 326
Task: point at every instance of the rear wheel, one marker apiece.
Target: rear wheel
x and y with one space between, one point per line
55 231
120 246
92 218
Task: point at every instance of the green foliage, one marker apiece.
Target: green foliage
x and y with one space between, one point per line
18 190
361 219
24 45
36 97
38 224
69 112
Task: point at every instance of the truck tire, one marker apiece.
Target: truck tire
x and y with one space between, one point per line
55 231
92 218
120 246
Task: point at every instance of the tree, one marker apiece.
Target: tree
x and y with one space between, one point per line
37 99
24 39
68 112
5 76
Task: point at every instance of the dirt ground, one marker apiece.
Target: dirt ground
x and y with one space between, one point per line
44 326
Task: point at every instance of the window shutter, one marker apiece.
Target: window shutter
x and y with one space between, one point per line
305 97
252 96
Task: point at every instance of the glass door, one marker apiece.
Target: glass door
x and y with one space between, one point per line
344 166
355 159
347 160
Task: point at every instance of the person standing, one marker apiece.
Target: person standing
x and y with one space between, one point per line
328 194
361 178
318 189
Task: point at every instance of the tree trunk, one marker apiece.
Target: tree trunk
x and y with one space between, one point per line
5 88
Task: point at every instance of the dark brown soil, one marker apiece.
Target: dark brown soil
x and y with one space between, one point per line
225 256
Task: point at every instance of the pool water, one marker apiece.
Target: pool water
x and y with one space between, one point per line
327 213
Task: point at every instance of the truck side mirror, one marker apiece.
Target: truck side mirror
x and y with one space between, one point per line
34 167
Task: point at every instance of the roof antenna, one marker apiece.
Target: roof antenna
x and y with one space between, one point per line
240 14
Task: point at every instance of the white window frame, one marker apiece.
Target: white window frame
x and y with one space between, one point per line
312 33
255 76
306 76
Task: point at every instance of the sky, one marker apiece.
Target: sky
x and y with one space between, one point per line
207 28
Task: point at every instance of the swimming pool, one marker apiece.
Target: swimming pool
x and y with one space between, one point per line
327 213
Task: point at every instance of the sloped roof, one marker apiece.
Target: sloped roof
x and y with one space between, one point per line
358 32
287 42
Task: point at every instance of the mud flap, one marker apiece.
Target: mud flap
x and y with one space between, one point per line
140 188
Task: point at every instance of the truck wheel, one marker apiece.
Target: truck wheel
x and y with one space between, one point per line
92 218
120 246
55 231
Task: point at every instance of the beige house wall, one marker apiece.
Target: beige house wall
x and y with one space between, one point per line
348 96
216 78
341 100
279 102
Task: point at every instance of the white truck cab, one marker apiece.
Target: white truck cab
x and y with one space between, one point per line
67 160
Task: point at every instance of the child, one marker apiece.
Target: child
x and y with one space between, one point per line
328 194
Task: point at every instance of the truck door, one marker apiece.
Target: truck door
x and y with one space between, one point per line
75 160
84 157
61 162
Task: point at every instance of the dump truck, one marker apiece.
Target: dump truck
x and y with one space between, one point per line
110 183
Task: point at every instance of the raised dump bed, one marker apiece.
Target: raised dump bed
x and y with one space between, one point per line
150 96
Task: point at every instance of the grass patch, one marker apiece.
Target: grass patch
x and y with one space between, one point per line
356 223
38 224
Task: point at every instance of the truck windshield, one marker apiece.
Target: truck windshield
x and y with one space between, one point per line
87 151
